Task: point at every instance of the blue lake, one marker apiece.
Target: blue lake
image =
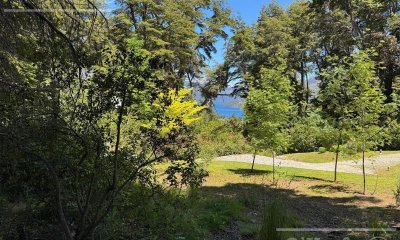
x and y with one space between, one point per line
225 111
229 107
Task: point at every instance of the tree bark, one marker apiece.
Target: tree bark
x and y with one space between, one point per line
254 159
337 154
363 167
363 148
273 167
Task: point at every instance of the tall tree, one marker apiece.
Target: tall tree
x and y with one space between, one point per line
358 24
180 34
82 118
279 37
267 109
353 101
367 105
336 98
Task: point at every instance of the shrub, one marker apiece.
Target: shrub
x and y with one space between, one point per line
392 137
322 150
309 133
144 213
219 136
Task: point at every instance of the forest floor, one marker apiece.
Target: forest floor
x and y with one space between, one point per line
372 164
310 195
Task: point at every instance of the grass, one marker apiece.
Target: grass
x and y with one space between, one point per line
222 173
310 193
316 157
233 203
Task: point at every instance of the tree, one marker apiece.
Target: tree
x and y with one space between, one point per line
77 144
335 99
358 25
266 112
367 105
179 34
354 101
278 37
301 47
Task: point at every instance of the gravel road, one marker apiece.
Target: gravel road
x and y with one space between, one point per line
350 166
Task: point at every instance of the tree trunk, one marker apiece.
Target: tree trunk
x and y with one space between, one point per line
337 155
273 167
254 159
307 89
363 147
336 161
363 167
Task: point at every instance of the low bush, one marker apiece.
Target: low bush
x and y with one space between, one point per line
218 136
168 214
309 133
322 150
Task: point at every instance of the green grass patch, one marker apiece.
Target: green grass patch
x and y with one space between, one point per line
234 172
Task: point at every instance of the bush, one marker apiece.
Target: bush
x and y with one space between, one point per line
392 137
219 136
311 132
145 213
322 150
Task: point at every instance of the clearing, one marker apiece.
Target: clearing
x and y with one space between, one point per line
309 194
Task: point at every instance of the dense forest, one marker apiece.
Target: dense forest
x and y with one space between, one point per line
101 135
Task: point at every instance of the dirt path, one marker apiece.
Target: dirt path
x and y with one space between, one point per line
350 166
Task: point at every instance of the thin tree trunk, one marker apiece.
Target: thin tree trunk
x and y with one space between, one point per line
117 142
363 148
307 89
336 162
337 154
273 167
363 166
254 159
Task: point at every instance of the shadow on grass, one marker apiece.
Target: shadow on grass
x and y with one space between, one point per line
312 178
328 188
313 211
248 172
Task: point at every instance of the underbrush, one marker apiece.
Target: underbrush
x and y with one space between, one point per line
276 218
169 214
218 136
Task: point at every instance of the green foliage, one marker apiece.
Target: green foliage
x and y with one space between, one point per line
180 35
322 150
276 216
219 136
169 214
88 108
396 193
367 104
267 108
311 132
75 145
393 136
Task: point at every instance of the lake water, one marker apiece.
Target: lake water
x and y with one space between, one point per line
225 111
225 106
229 107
